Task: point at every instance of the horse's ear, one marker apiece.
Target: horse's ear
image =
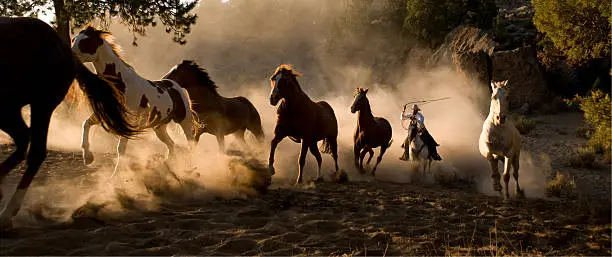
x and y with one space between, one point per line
504 83
366 90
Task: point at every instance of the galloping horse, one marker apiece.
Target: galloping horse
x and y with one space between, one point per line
371 132
302 120
37 68
499 139
220 116
418 150
155 102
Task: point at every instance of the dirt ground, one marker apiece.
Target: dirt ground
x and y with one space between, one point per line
357 218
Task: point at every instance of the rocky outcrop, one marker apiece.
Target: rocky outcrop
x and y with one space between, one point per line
471 51
524 74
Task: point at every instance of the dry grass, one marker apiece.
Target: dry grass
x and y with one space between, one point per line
584 158
524 125
561 186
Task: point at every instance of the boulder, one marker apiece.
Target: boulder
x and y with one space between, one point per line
525 76
471 51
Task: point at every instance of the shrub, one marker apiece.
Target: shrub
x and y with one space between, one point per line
561 186
431 20
579 29
524 125
597 114
584 158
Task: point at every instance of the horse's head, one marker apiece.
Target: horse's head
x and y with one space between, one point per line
87 43
283 83
499 102
189 75
361 100
413 130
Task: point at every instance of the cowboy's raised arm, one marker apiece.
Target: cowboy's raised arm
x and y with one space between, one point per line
405 116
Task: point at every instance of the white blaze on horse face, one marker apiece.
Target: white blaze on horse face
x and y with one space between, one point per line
499 104
84 57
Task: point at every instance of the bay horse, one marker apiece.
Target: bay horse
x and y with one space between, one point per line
500 140
371 132
302 120
418 150
37 68
219 116
156 103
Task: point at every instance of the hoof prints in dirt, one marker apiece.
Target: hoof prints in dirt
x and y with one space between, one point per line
333 219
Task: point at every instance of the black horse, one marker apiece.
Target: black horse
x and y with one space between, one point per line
37 68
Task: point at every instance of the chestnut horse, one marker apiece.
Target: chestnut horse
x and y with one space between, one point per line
37 68
219 116
371 132
302 120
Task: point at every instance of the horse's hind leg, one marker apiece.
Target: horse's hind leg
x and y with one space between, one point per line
87 155
240 136
315 151
221 142
15 127
495 174
378 159
515 168
333 145
162 133
40 117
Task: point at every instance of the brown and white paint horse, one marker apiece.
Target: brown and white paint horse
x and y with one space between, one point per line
155 103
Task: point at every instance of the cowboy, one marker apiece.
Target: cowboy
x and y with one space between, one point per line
425 136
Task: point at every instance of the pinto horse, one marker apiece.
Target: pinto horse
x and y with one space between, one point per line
37 68
418 150
302 120
220 116
371 132
500 140
156 103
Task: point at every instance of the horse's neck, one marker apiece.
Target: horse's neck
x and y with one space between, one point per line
298 98
107 56
207 101
365 117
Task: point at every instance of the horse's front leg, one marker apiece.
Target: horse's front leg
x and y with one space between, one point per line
273 144
507 163
364 151
515 166
221 141
357 151
495 174
302 160
87 155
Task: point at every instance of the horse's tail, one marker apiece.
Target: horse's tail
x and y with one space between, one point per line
326 147
254 124
106 101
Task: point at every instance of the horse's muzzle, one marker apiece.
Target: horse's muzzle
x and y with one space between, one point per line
274 100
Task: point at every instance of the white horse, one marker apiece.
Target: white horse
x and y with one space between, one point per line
155 103
500 140
418 150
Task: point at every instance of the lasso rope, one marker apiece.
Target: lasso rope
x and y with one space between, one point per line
422 102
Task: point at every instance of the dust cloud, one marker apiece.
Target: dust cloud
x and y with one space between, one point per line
240 43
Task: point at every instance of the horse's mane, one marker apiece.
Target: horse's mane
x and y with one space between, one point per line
108 38
286 69
202 76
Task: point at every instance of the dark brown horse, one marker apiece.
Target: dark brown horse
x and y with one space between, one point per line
37 67
220 116
302 120
371 132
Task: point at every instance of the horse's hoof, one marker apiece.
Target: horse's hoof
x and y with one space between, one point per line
520 193
88 157
271 170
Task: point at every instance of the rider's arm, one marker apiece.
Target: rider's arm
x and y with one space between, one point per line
405 116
